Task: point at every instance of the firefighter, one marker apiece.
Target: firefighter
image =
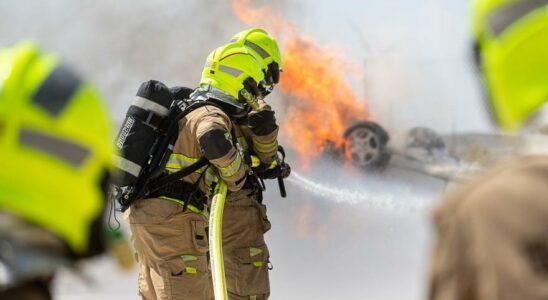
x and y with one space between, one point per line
170 229
55 143
245 220
492 234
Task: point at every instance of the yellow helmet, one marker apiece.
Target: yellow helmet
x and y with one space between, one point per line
236 74
265 49
55 144
512 46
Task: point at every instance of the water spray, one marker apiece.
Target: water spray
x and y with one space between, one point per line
387 200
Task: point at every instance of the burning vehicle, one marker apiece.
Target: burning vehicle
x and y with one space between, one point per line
448 157
323 114
365 146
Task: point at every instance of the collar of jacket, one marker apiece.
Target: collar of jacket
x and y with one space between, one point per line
234 109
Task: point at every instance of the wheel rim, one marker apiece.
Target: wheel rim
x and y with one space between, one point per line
362 147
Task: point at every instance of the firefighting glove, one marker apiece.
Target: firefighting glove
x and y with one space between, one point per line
260 169
283 169
262 123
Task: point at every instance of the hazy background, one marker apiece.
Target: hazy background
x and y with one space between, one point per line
414 54
339 235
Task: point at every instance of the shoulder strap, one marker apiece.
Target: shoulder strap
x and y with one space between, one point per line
156 184
163 181
150 183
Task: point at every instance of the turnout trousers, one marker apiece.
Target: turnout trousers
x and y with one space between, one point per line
246 256
171 246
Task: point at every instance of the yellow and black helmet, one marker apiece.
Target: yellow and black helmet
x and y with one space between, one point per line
55 144
265 49
234 71
512 50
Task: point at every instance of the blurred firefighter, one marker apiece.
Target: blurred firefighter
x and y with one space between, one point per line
170 229
245 221
55 143
492 235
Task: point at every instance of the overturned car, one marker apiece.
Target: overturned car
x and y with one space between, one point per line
367 146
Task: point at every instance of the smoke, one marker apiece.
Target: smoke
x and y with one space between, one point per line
119 44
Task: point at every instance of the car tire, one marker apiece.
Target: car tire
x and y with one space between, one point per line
365 146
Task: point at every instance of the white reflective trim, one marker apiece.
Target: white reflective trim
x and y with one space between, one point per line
181 160
68 151
232 168
265 147
127 166
508 14
230 70
178 161
146 104
257 49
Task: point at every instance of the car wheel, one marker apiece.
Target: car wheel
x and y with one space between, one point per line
365 146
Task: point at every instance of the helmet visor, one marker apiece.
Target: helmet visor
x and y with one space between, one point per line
272 75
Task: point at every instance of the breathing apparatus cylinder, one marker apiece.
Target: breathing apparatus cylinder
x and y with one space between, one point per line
143 127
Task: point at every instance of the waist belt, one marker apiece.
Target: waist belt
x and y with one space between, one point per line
185 194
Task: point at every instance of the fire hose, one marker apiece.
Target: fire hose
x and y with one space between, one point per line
216 241
216 225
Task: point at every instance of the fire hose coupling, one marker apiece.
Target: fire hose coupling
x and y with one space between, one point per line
285 170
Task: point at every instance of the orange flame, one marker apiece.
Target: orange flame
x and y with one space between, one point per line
320 102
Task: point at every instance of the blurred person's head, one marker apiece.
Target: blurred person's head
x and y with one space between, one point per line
55 143
512 55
